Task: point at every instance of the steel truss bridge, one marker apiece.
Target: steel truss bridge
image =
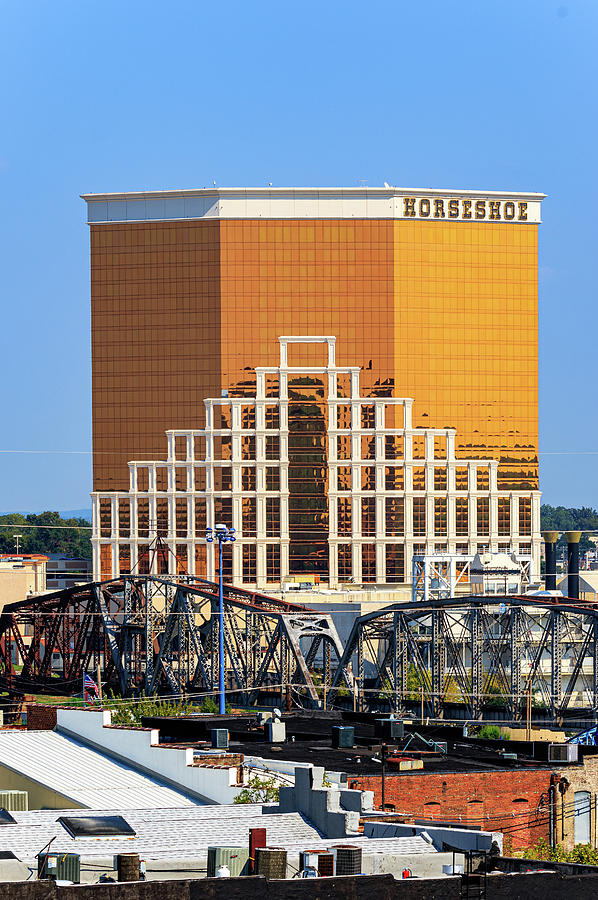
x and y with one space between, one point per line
160 635
477 651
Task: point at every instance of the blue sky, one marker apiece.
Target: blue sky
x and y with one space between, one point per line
110 96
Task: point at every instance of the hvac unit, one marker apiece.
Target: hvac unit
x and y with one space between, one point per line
59 867
563 753
320 860
235 858
271 862
219 738
343 737
347 859
14 801
389 729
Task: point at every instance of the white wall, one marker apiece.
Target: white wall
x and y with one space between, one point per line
140 749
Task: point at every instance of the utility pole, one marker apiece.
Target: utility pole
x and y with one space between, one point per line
17 537
383 751
223 535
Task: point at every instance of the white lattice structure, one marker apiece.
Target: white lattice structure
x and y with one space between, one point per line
381 510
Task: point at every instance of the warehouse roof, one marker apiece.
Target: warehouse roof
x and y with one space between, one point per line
82 774
183 833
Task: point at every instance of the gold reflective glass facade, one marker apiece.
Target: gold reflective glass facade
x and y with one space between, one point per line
442 312
466 337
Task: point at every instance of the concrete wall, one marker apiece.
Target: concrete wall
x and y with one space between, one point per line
17 583
335 813
138 747
460 838
40 797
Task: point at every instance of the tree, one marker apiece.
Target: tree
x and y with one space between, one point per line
561 518
74 541
259 790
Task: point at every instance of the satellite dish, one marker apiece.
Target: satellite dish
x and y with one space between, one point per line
277 713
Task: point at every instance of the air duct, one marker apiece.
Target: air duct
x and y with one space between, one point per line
573 563
550 539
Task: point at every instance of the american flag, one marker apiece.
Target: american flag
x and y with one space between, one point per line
90 686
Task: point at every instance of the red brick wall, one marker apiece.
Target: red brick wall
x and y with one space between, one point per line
40 717
491 800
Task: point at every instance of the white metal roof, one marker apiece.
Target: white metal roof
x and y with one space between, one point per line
85 776
185 833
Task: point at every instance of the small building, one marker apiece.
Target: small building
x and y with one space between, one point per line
588 586
65 571
21 575
496 573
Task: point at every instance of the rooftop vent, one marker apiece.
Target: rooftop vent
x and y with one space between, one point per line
96 826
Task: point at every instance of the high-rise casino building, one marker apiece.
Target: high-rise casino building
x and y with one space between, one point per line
347 376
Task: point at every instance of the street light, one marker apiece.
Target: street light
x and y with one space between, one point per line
223 535
18 537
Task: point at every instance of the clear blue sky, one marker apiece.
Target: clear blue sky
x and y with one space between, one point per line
106 95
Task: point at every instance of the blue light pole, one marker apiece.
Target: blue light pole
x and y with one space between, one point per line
223 535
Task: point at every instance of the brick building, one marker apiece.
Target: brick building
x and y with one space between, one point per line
515 802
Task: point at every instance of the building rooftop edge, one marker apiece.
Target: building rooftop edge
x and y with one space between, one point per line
359 191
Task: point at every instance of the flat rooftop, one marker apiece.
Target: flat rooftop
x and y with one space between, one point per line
386 202
309 740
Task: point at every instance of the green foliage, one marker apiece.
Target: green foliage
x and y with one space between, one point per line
581 853
494 733
561 518
259 790
67 541
130 712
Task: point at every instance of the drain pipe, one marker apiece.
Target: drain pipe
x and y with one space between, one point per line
550 539
573 563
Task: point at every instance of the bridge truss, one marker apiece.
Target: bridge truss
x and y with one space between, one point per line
160 635
477 652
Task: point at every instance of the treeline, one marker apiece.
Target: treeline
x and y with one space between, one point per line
561 518
71 541
76 542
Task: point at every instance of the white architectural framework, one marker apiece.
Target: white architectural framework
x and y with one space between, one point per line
393 490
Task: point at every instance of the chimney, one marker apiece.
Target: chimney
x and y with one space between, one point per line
550 539
573 563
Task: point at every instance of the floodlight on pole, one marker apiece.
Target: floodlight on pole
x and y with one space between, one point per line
223 535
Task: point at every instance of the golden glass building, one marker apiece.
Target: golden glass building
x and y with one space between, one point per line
348 376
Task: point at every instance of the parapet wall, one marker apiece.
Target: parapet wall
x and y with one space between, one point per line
552 886
140 748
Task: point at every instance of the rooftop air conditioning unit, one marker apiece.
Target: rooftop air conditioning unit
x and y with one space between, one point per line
563 753
389 729
59 867
236 858
343 737
219 738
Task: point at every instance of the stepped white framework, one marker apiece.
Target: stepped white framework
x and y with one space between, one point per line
393 490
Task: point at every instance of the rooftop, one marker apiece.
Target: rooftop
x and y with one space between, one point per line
387 202
184 833
309 740
84 775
